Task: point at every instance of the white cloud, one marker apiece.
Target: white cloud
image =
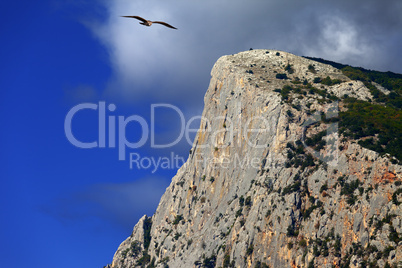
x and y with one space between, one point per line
340 40
144 57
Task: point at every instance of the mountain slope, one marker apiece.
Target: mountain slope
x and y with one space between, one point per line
276 178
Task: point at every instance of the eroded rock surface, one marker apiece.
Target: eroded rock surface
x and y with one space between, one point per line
254 194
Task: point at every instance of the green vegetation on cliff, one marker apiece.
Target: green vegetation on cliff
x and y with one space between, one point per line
377 126
389 80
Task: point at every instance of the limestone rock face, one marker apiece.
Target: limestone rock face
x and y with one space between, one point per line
254 194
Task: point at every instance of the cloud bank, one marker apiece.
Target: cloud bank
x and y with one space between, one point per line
159 63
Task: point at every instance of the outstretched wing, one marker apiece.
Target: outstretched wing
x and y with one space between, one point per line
136 17
164 23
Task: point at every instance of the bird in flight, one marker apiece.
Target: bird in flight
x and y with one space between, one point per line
148 22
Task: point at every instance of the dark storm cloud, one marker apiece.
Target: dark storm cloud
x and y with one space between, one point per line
160 63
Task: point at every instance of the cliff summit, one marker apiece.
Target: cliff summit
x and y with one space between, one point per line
282 173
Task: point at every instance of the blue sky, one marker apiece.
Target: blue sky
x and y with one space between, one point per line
64 206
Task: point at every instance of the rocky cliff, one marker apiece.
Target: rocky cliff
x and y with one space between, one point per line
271 181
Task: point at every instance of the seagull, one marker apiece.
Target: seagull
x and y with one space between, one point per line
148 22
